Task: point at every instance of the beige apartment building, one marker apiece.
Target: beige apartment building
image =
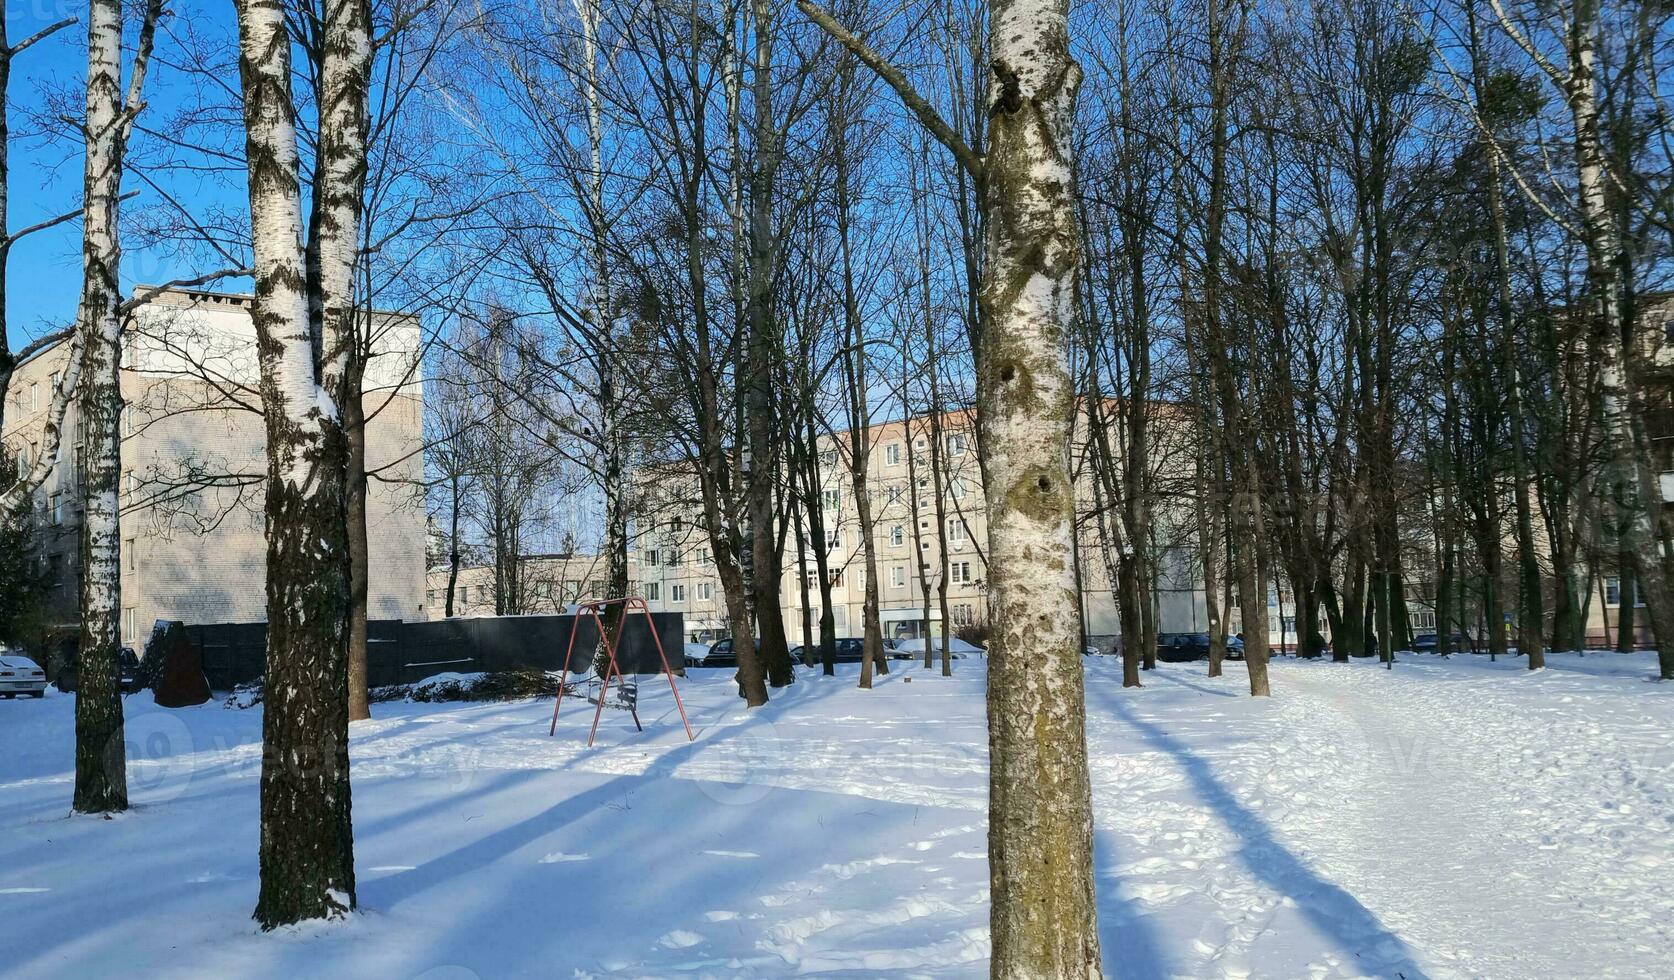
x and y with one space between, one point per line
193 465
675 571
545 584
670 563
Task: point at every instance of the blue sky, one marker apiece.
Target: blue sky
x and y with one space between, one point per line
44 274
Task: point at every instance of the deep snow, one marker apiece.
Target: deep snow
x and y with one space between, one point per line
1450 818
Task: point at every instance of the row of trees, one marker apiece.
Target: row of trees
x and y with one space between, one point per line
1399 266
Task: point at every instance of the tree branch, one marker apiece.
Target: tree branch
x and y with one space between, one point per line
915 103
39 35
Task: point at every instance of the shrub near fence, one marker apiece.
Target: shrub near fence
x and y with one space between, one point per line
399 652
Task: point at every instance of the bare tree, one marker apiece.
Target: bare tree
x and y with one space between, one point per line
307 845
1040 818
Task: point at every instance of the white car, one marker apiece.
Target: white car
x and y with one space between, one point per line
20 675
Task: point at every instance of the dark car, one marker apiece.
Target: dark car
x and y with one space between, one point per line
1183 647
1430 642
721 654
66 680
850 650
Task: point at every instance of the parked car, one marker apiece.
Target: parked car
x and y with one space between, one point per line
695 654
719 654
20 675
850 649
914 649
1430 643
130 663
1181 647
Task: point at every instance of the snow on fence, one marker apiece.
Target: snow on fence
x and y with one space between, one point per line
399 652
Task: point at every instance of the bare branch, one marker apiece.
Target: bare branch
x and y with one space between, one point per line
915 103
38 36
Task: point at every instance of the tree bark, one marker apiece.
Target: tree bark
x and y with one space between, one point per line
1040 818
101 779
307 841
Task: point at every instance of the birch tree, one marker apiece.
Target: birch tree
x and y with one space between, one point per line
1631 476
101 780
307 844
1040 827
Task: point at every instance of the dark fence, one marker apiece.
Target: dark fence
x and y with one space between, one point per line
398 652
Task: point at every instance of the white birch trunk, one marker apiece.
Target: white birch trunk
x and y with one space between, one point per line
307 864
101 780
339 189
1040 819
1639 489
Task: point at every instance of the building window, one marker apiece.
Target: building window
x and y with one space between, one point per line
897 536
956 444
831 498
653 591
963 614
956 532
897 576
651 556
56 503
129 547
959 572
840 617
677 593
892 454
705 592
957 486
1613 593
128 634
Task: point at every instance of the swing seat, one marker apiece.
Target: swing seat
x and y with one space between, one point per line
623 697
626 696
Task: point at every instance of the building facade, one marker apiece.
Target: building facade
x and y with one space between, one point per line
193 468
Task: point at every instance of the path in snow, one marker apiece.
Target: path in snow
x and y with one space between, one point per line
1444 819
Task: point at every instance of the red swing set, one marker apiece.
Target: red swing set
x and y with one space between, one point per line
628 697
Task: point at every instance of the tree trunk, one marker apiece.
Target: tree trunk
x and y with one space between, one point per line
101 778
355 488
307 841
1040 819
453 542
1128 583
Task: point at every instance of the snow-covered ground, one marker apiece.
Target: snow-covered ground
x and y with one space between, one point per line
1446 819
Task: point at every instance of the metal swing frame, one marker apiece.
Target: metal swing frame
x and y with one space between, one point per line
593 607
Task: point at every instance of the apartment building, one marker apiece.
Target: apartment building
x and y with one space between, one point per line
543 584
193 466
914 551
